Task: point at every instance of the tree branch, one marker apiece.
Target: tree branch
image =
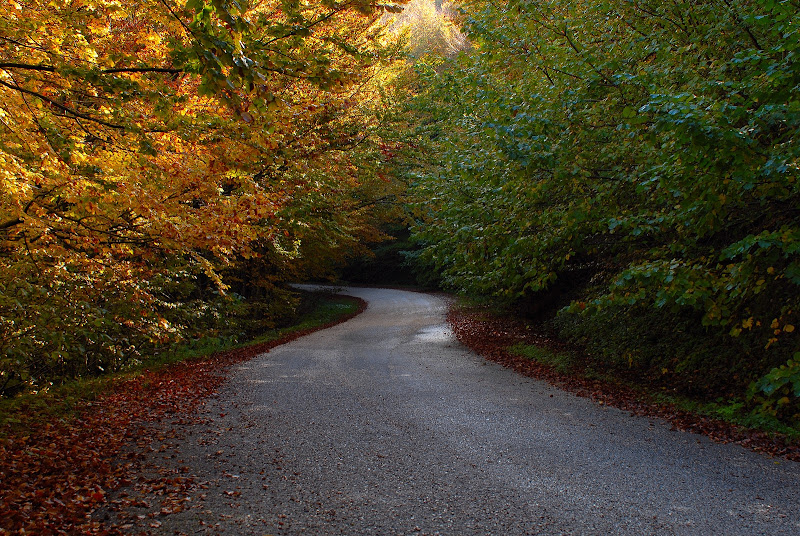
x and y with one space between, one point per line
744 26
143 70
27 66
10 223
60 106
51 69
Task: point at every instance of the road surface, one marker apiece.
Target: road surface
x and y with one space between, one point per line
387 425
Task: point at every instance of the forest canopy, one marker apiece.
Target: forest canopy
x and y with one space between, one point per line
634 164
162 163
627 169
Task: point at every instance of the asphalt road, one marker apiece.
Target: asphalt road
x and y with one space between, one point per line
387 425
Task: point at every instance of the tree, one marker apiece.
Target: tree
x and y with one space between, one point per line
145 148
643 152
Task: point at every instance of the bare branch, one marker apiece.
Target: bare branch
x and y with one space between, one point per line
51 69
60 106
10 223
27 66
143 70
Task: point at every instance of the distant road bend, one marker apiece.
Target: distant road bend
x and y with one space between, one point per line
387 425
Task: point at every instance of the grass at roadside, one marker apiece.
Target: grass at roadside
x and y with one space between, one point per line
64 452
561 361
321 309
730 411
21 414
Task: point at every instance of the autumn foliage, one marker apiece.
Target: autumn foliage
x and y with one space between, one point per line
164 165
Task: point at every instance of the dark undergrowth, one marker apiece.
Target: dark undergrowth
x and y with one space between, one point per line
533 347
64 451
315 311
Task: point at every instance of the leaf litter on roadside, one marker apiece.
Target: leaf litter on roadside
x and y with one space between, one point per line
56 475
492 336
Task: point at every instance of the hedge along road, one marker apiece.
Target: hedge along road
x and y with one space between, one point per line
387 425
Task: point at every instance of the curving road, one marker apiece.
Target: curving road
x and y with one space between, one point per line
386 425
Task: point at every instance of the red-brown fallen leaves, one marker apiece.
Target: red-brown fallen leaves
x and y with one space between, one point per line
492 336
55 476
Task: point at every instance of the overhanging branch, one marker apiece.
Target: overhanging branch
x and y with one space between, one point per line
51 69
60 106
